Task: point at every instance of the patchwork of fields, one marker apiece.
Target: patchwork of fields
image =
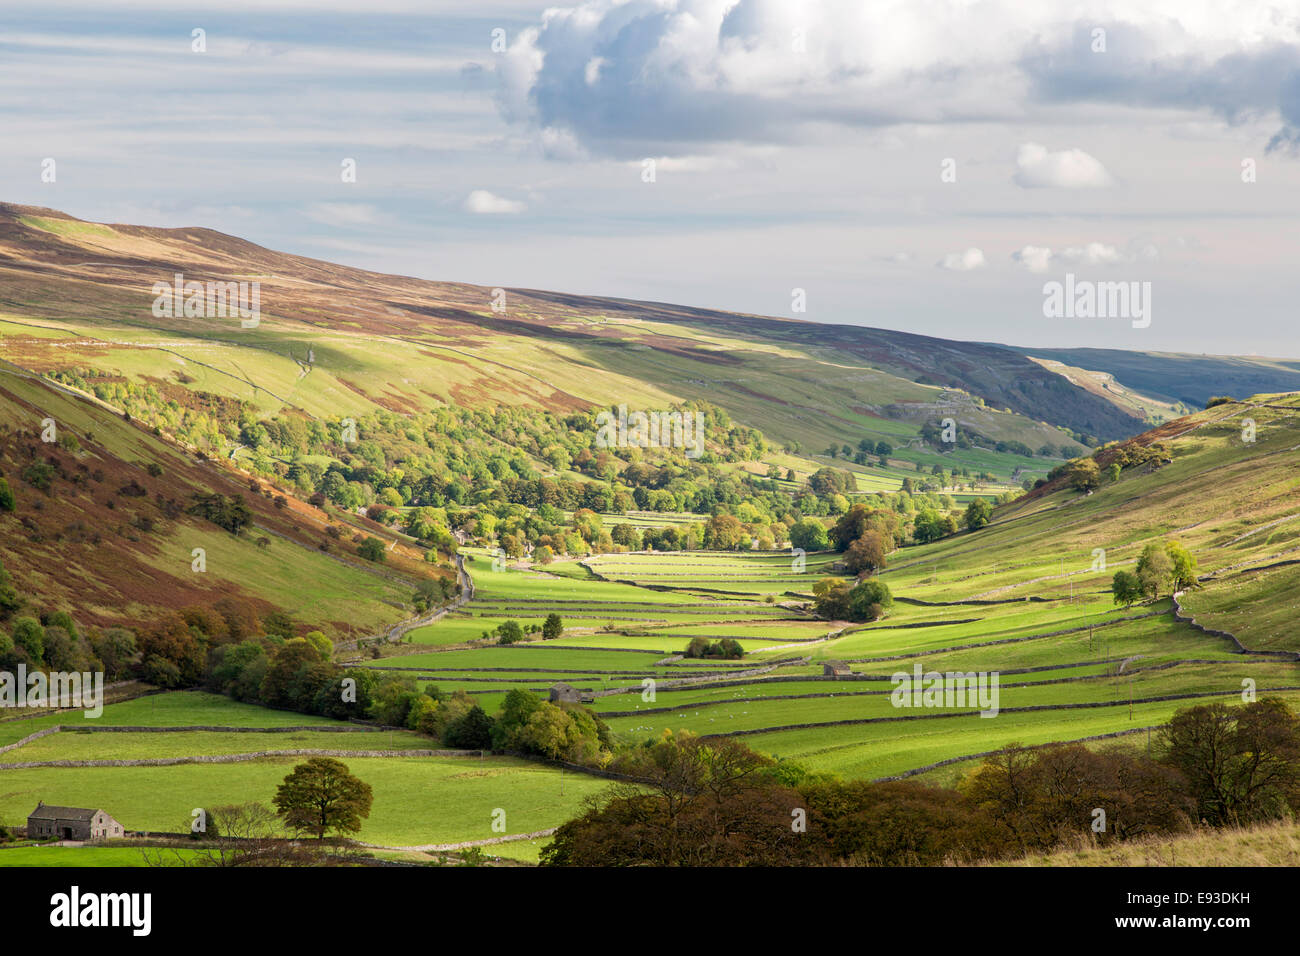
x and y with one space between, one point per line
1026 598
1071 665
419 800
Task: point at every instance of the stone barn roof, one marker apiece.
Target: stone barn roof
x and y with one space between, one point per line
44 811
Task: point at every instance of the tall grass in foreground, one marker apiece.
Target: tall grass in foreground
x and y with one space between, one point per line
1269 844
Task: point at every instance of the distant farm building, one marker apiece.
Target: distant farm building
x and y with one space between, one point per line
563 693
71 823
836 669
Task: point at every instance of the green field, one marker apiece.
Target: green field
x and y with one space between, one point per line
95 856
1026 598
418 800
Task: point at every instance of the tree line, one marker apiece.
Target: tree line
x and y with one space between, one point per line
714 802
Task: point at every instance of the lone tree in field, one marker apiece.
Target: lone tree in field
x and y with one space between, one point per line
1184 573
322 795
1126 588
978 513
1155 570
552 627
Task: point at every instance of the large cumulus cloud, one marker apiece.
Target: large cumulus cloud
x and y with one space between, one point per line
650 77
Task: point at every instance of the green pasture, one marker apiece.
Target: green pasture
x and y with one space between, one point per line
417 800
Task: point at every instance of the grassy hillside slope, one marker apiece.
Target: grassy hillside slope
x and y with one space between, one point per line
111 539
1190 379
78 294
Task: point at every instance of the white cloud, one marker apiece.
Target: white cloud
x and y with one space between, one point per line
625 73
1092 254
1066 169
1033 258
963 261
483 203
1041 258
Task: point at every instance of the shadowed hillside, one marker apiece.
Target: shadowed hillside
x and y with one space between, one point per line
79 294
106 523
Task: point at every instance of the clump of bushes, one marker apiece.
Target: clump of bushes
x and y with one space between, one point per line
726 649
228 512
372 549
1161 569
508 632
836 600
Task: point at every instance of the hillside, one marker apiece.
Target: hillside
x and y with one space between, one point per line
670 591
102 526
1181 377
78 295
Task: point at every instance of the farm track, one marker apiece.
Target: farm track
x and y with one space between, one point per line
395 633
465 844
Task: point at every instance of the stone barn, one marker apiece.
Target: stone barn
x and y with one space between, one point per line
836 669
71 823
563 693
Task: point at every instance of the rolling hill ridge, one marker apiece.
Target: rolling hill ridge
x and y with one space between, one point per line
406 344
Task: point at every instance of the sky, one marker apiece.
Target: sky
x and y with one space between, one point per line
922 165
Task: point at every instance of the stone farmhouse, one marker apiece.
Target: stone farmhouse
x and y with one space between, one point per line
71 823
563 693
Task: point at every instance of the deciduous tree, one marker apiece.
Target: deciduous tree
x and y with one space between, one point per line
322 796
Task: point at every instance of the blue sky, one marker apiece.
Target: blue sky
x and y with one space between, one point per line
798 144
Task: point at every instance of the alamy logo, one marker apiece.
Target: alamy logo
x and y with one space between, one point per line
74 908
215 300
1084 299
951 689
58 689
651 430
